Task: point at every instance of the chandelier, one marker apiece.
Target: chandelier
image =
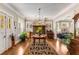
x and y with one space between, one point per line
39 21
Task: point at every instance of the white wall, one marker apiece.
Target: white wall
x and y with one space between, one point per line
68 15
5 43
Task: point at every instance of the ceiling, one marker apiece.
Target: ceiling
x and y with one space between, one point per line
47 9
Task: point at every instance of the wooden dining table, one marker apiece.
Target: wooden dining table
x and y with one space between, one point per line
39 37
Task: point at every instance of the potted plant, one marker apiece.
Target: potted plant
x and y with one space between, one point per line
23 36
67 38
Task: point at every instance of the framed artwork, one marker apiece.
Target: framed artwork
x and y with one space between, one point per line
9 23
39 29
2 22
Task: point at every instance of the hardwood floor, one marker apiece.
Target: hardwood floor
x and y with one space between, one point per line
19 49
23 48
58 46
74 46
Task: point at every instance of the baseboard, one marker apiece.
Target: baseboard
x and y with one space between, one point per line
10 48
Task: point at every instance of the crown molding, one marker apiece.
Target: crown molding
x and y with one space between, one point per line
8 8
64 11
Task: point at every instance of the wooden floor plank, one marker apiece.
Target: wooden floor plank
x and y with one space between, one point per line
22 48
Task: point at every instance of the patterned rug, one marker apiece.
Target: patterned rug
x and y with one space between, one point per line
40 49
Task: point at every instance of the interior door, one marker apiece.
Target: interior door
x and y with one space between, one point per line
8 32
6 29
2 34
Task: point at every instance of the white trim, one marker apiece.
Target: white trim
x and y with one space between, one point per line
64 10
7 9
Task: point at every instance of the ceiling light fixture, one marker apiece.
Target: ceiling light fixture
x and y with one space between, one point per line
39 13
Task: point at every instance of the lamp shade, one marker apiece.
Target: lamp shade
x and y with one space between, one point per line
76 17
